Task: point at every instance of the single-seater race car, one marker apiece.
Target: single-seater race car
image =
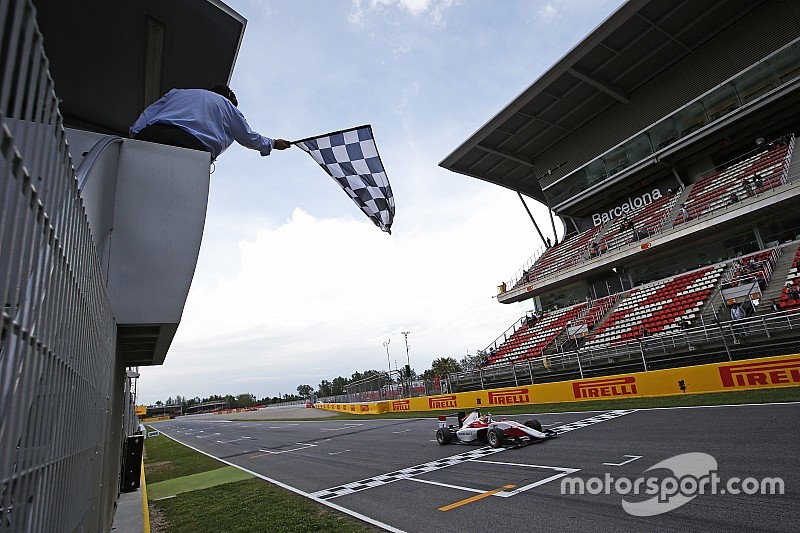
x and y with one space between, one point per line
477 429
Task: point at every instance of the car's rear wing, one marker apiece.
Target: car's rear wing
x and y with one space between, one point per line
452 419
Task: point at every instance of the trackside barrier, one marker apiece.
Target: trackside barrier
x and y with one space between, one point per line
154 419
749 374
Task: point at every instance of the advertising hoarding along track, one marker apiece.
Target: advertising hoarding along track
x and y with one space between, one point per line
750 374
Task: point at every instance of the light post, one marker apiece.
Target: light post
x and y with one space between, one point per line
408 363
389 362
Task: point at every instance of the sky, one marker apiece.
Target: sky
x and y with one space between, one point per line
294 285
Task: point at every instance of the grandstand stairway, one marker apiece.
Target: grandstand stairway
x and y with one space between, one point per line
715 298
676 209
779 278
618 299
793 172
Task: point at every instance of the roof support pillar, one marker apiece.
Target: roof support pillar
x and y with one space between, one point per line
535 225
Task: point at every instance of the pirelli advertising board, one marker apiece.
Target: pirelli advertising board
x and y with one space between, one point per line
782 371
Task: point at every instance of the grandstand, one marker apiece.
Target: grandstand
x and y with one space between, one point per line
663 143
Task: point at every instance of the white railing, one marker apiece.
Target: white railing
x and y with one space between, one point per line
724 340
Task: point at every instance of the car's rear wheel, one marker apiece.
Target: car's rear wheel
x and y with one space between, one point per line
534 424
494 437
444 436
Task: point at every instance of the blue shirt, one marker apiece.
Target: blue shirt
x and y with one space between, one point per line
209 116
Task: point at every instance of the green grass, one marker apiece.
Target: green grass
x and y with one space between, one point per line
202 480
251 505
781 394
166 459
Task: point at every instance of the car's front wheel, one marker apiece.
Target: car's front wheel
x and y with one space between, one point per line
534 424
444 436
494 437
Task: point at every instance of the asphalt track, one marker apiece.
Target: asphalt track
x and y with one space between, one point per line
393 474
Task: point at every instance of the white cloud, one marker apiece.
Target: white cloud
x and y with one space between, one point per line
548 12
416 8
313 299
356 15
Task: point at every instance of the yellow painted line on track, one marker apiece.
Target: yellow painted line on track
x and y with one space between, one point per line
145 508
476 498
261 455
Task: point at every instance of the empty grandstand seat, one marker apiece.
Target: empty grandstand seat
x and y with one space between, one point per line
530 341
659 307
714 190
561 255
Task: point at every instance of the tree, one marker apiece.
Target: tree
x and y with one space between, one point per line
246 400
325 389
305 391
428 376
445 365
338 386
471 362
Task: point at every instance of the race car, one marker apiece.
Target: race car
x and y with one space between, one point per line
477 429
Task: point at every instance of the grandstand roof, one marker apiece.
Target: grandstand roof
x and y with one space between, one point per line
635 44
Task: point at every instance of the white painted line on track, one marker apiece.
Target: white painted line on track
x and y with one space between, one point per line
337 453
446 485
610 415
631 459
346 426
234 440
302 447
563 471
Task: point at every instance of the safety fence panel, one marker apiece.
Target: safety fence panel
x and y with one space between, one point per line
62 389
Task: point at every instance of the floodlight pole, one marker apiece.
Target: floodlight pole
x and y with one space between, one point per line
408 362
388 360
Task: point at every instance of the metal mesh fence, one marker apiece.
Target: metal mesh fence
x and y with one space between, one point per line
62 389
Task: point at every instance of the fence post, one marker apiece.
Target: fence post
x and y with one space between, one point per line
724 340
641 349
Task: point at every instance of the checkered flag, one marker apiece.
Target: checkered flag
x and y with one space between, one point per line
351 158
